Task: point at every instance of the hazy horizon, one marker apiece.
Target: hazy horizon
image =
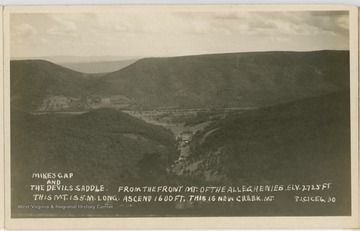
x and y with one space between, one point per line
131 58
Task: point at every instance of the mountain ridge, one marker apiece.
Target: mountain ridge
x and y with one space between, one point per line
201 81
238 78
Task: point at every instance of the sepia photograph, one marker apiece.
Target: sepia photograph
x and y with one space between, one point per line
181 112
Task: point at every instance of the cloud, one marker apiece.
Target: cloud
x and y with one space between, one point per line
231 15
309 22
329 13
24 29
254 25
330 21
169 33
271 23
62 26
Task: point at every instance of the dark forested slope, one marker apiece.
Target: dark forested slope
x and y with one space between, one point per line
229 80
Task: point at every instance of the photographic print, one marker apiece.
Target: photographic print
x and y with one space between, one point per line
180 112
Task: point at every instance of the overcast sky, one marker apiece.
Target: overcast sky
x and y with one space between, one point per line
135 34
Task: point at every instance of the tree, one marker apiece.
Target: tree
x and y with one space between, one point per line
151 167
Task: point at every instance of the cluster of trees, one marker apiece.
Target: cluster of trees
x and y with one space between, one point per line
91 145
284 142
